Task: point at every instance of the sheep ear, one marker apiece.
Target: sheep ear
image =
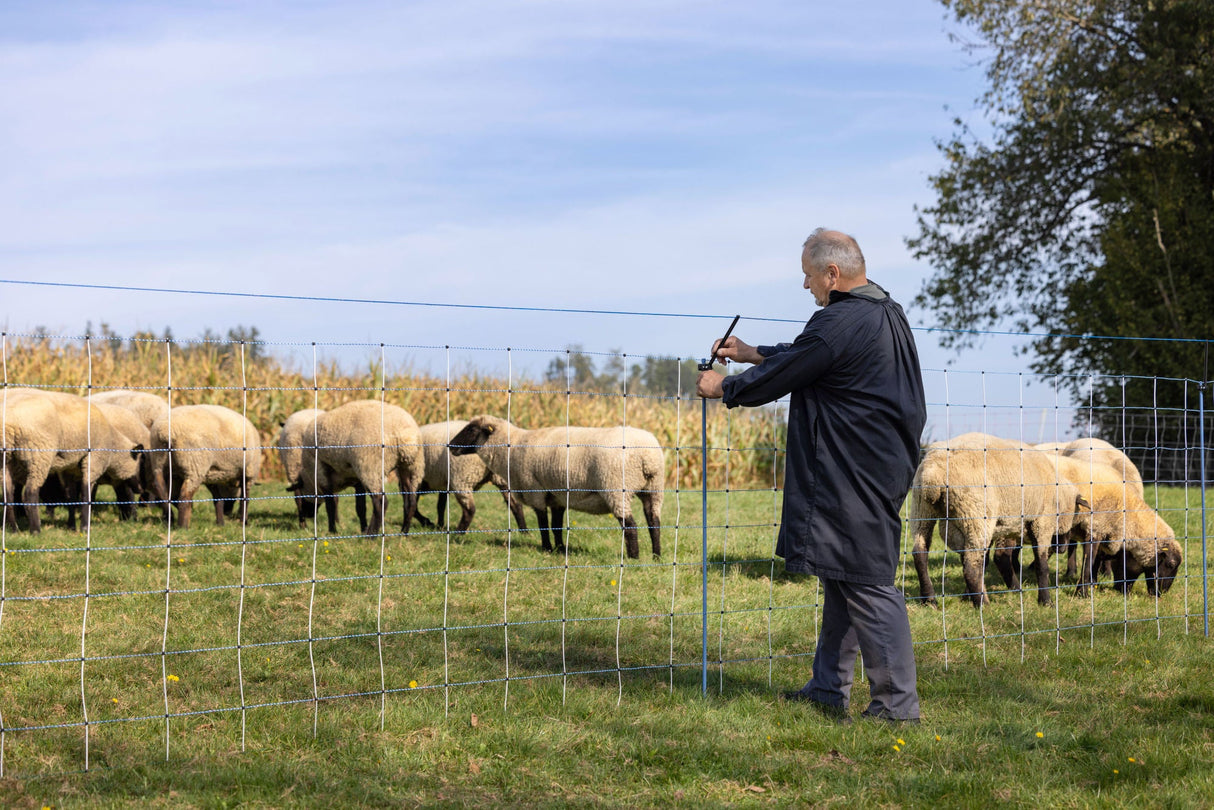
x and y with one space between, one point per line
1082 502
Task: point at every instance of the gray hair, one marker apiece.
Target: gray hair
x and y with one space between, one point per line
833 247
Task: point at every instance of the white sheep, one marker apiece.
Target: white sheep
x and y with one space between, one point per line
588 469
358 445
1120 527
52 433
990 493
459 475
298 431
205 445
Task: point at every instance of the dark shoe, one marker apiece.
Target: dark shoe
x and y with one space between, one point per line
836 713
885 717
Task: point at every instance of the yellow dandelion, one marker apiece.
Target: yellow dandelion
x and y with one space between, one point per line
1115 771
1133 760
181 559
896 748
114 699
326 544
412 684
901 741
301 545
1039 735
613 583
389 558
937 738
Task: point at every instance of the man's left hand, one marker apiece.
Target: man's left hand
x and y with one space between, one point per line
708 385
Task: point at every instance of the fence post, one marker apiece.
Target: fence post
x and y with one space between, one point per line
1201 448
704 541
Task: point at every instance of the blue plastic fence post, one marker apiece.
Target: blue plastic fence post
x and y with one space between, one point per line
704 545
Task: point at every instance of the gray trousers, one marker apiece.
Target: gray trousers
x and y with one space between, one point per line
871 620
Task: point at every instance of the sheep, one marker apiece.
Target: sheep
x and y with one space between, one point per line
593 470
298 431
206 445
1096 451
1122 528
53 433
459 475
358 444
988 491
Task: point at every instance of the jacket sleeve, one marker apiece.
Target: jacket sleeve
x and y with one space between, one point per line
796 365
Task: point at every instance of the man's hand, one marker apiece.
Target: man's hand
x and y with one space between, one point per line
734 349
708 384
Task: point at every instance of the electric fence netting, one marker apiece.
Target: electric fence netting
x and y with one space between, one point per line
129 626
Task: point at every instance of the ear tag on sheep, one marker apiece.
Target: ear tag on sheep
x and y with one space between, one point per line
706 365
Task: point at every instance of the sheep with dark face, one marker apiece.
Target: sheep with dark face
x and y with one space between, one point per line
588 469
1122 528
459 476
358 445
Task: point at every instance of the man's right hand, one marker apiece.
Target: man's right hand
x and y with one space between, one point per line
734 349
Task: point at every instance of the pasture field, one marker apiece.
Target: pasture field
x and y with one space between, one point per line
287 667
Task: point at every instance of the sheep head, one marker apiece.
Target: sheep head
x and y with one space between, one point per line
474 434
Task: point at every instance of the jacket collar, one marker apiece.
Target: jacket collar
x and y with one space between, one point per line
869 292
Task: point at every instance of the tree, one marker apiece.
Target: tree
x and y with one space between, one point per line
1087 207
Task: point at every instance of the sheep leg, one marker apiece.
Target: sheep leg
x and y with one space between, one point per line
467 511
558 524
379 504
440 518
919 550
33 514
360 508
972 566
185 502
1086 578
1007 559
541 519
1041 564
655 524
516 508
409 502
631 544
219 496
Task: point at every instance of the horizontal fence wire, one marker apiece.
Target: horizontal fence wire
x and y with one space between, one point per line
134 620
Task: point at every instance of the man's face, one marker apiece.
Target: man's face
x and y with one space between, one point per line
819 281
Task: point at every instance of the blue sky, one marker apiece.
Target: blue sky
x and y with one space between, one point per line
658 156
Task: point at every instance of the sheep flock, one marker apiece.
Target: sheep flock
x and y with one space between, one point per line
58 448
987 498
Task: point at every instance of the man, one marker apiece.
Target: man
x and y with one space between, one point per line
855 416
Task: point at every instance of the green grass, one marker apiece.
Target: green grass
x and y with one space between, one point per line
602 706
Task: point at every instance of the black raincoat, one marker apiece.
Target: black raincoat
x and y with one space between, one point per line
855 417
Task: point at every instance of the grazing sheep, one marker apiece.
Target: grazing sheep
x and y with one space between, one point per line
206 445
989 493
358 444
593 470
460 476
1122 528
298 431
53 433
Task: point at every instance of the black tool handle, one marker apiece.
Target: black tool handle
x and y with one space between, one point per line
707 366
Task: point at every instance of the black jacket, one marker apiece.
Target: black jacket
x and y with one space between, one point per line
855 416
